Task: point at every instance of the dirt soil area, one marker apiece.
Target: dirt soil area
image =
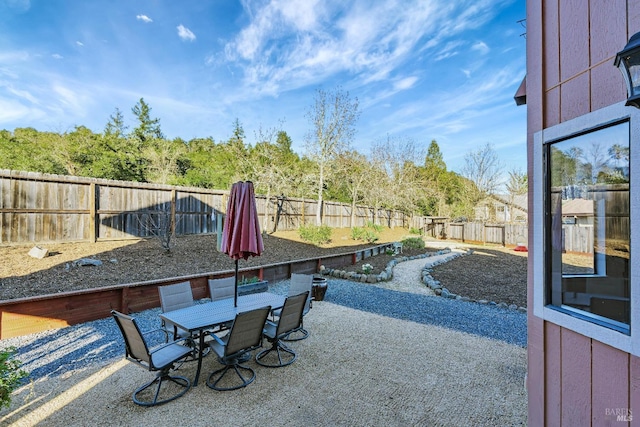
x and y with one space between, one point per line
491 273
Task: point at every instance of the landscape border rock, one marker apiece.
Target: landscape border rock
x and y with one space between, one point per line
384 276
441 291
427 279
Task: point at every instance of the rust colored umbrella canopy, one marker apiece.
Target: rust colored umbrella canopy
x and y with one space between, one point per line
241 236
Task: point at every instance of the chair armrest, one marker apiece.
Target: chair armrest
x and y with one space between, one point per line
271 322
161 346
163 331
151 331
217 339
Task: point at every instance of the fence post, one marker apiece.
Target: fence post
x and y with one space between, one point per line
173 211
93 220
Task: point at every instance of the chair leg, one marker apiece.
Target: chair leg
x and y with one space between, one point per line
194 354
278 347
161 378
222 372
296 335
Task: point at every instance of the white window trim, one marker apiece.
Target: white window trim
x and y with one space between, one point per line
628 343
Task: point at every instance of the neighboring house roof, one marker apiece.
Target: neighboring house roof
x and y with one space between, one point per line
518 201
577 207
521 94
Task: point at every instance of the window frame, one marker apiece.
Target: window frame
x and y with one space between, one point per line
628 342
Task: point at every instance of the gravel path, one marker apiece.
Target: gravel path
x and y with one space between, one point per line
61 356
405 297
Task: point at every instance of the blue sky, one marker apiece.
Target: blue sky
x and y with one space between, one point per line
421 70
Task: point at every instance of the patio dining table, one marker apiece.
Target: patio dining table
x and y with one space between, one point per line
201 317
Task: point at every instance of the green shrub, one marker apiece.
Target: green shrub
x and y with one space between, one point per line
248 281
357 233
376 227
414 230
370 236
10 375
413 243
316 234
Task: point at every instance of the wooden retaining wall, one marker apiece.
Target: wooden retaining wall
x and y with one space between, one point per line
25 316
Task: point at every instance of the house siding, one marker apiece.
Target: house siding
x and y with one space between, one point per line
574 380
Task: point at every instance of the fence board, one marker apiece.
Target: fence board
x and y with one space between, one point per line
37 207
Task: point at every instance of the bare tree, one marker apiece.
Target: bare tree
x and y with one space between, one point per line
271 162
160 225
354 170
398 157
333 116
482 167
596 161
518 183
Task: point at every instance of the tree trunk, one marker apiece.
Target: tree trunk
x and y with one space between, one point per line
320 191
265 220
353 211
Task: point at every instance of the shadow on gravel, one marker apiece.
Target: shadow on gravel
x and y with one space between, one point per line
487 321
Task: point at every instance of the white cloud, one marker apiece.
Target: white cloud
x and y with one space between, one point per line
69 100
57 56
406 83
79 43
14 56
11 111
466 72
289 45
185 34
21 93
144 18
481 47
449 50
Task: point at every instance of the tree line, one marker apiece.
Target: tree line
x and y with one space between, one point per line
397 173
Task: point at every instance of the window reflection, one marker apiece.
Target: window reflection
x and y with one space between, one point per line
588 224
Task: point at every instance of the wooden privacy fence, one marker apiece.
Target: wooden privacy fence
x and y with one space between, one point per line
36 207
575 238
477 232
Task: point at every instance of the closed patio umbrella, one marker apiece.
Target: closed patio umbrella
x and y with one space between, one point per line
241 236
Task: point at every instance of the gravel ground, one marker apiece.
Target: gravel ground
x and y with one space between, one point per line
483 345
356 368
59 351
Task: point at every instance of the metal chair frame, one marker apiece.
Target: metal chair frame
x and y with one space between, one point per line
300 283
290 320
245 336
161 359
174 297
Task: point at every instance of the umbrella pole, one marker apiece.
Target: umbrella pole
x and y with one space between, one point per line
235 295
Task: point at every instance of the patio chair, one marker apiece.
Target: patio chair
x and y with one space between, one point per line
175 297
222 288
290 319
160 359
299 283
245 336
